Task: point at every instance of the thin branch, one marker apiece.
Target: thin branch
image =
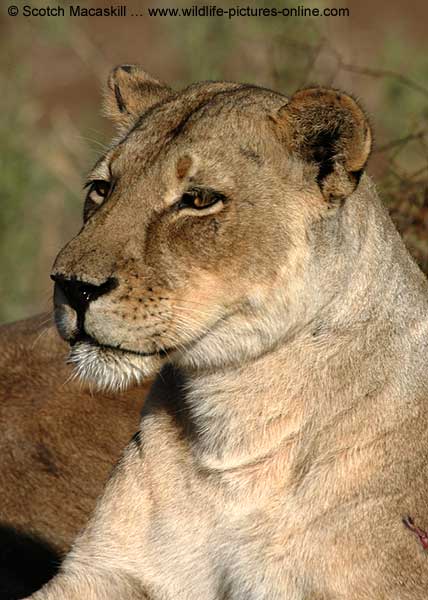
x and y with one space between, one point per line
385 73
377 73
400 142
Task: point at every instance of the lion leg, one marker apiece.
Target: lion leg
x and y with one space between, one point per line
90 587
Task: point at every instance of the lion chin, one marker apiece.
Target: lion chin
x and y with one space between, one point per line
110 369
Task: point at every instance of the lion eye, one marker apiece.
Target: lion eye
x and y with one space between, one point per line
200 198
98 190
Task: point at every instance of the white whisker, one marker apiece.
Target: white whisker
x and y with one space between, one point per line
39 336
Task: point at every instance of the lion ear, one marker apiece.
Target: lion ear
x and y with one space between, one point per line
131 92
328 128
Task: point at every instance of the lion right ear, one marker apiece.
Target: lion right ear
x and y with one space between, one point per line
130 93
328 129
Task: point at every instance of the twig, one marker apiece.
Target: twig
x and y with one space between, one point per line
399 142
385 73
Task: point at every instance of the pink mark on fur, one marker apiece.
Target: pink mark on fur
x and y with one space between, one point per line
422 535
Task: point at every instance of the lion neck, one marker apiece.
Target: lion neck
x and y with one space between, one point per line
360 304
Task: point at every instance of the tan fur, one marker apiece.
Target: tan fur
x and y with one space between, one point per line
58 438
285 438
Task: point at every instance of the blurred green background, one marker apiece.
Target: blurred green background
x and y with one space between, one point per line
52 70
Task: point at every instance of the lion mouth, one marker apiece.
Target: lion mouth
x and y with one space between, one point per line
115 367
112 368
84 338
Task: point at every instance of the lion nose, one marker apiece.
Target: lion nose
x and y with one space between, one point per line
78 294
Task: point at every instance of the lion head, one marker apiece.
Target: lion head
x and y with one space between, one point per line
195 246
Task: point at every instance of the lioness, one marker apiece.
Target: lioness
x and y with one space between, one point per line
233 241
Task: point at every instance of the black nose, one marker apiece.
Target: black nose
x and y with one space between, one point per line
79 293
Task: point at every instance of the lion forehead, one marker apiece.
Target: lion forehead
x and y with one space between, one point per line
206 109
